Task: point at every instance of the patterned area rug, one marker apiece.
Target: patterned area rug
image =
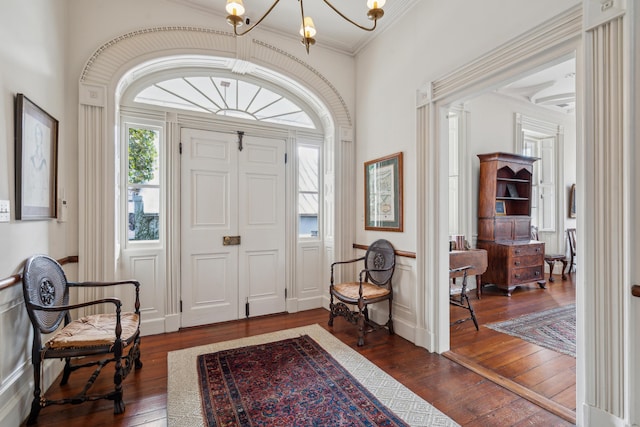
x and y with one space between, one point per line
289 382
395 402
554 329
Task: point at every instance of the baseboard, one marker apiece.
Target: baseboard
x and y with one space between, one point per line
153 327
597 417
172 323
18 394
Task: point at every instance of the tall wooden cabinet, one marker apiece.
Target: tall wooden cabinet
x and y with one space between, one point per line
504 221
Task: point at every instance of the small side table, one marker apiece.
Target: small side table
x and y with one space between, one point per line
475 257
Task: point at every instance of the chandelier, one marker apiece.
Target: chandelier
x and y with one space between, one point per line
235 9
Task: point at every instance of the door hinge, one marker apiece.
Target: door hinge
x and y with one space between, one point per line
180 147
180 306
246 308
285 293
285 158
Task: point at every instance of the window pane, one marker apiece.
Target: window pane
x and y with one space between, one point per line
143 195
143 156
144 213
308 195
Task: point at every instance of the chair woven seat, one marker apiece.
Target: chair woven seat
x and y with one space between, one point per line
369 291
95 330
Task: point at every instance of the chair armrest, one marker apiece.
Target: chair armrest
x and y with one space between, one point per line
105 284
343 262
111 300
102 284
347 262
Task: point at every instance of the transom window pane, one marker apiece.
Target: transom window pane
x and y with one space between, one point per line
225 97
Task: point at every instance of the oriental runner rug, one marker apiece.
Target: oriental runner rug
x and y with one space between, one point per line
554 329
297 377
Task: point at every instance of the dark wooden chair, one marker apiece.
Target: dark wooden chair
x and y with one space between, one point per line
459 297
373 285
551 259
93 340
571 236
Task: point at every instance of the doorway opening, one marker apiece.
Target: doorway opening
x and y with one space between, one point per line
512 119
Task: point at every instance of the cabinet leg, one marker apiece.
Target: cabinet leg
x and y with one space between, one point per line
542 284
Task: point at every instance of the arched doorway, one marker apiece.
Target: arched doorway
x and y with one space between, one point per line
114 68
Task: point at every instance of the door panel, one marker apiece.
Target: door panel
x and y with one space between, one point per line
262 226
227 192
209 201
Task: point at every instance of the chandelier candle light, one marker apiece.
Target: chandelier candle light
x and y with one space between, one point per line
235 9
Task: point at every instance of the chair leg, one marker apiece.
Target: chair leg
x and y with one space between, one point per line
35 404
360 330
564 267
331 315
118 402
390 321
473 314
361 324
552 264
66 372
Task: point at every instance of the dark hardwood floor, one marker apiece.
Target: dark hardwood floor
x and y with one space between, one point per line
544 375
470 399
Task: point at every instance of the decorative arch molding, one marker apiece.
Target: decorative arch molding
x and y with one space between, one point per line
113 67
110 58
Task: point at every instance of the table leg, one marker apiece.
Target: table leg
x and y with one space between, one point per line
479 286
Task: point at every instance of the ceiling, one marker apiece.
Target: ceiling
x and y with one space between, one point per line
333 31
553 87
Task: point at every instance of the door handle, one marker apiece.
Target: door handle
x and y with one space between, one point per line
230 240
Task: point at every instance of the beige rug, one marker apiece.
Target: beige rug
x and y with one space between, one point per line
184 407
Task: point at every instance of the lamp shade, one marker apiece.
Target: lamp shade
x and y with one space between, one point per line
376 4
308 30
235 7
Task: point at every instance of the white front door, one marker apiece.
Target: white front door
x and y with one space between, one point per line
226 193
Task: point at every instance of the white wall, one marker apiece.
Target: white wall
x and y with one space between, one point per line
31 62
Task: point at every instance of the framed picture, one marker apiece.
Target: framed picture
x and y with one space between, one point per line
383 193
572 201
36 157
500 209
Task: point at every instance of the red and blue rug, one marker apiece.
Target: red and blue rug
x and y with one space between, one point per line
554 329
292 382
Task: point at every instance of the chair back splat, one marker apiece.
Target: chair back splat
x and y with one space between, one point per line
93 340
373 285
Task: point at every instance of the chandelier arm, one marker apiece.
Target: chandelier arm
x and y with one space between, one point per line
305 41
235 29
375 21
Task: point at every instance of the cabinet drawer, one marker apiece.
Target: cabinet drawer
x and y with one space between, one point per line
527 274
527 250
527 260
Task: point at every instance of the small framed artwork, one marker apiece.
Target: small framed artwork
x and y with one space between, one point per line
383 207
36 161
500 209
572 201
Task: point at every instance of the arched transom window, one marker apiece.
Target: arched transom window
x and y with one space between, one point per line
225 96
